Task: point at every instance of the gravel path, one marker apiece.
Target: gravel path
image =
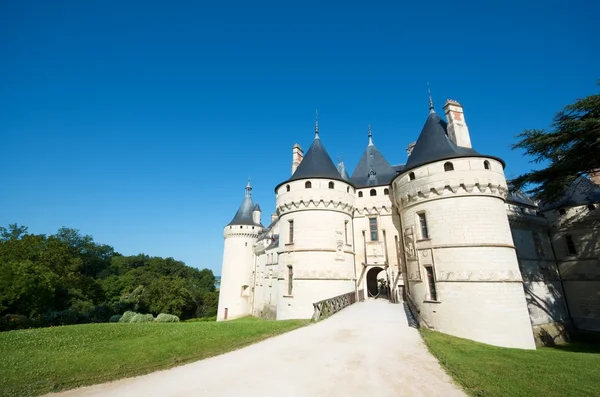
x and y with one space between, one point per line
367 349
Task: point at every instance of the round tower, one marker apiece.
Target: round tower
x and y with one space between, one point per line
315 234
461 263
235 292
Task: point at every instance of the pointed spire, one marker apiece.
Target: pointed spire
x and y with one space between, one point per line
370 136
316 124
431 109
248 189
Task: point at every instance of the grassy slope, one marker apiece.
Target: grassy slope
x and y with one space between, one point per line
484 370
38 361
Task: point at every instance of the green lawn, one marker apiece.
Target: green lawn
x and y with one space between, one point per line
484 370
38 361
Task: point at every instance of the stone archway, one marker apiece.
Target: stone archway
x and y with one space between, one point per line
373 290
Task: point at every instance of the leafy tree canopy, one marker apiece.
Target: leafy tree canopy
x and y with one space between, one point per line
571 148
68 277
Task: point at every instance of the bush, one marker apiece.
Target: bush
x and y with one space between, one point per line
127 316
201 319
142 318
166 318
14 321
62 317
115 319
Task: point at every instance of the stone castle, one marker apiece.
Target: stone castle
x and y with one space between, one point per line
441 232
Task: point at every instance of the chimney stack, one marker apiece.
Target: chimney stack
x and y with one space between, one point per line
273 217
410 148
297 155
256 214
457 126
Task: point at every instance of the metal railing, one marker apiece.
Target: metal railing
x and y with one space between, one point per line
327 307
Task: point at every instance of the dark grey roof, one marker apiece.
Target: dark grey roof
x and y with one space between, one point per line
256 207
581 191
243 216
518 197
398 168
434 145
372 169
315 164
342 170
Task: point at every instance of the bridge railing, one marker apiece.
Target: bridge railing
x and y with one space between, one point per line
327 307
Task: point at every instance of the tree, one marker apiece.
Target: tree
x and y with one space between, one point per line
571 147
14 232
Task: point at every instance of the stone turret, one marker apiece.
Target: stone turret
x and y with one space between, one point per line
315 210
235 291
462 269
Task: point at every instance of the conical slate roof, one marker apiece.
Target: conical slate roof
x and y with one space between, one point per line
243 216
434 145
315 164
372 169
342 170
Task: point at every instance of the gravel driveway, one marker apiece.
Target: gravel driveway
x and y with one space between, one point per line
367 349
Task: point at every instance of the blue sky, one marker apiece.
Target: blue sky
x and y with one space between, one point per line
139 122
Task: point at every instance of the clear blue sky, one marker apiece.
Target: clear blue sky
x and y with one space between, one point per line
139 122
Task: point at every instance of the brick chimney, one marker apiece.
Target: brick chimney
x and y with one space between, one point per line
457 126
297 155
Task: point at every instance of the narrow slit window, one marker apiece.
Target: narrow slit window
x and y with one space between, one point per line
288 188
290 280
291 231
486 165
423 224
346 232
373 229
411 176
431 283
331 185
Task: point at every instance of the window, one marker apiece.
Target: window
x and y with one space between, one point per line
423 224
373 192
411 176
570 245
290 280
288 188
591 207
448 166
537 243
359 194
562 211
431 283
346 232
291 232
373 228
307 185
486 165
348 189
386 191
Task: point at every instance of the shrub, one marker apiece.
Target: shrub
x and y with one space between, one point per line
201 319
127 316
142 318
166 318
62 317
115 319
14 321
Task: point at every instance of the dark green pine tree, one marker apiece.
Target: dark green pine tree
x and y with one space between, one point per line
571 148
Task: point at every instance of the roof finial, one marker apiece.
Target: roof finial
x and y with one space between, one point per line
431 110
370 136
248 189
316 123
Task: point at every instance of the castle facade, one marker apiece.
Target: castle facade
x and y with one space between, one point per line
441 232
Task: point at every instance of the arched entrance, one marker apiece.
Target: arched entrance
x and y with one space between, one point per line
374 289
